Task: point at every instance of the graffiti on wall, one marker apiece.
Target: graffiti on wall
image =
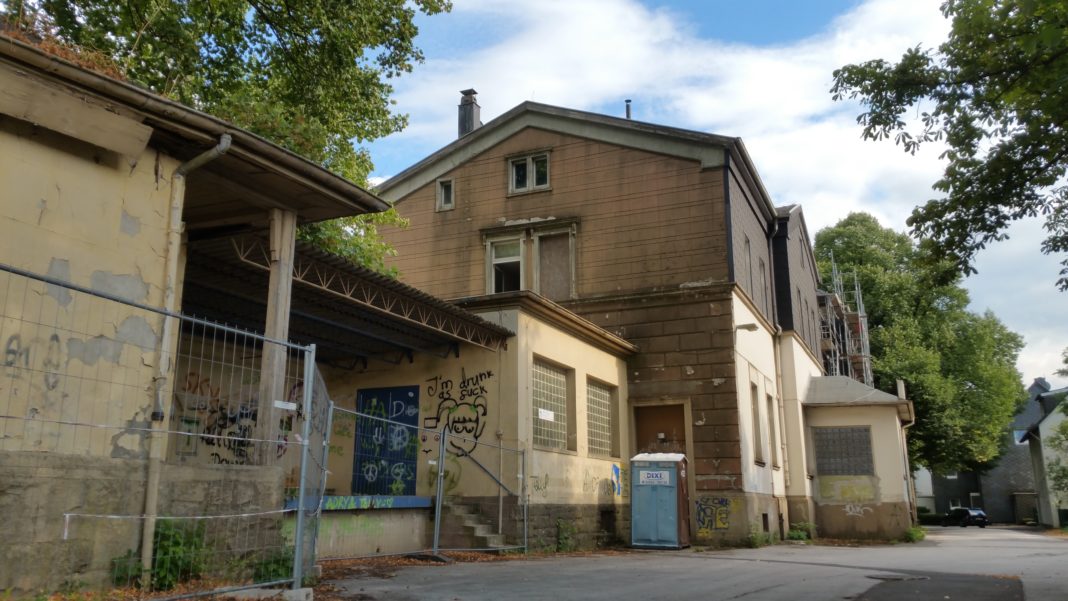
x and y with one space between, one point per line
461 410
713 513
386 449
856 510
592 482
225 419
19 361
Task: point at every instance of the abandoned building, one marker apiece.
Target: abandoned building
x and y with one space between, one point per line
668 239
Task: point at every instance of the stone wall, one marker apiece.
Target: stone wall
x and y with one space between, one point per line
43 551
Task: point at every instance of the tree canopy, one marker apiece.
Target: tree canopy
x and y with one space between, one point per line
310 75
959 366
995 92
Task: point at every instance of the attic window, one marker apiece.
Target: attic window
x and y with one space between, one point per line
445 195
529 173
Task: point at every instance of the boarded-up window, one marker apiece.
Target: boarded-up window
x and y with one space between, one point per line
758 440
844 451
554 266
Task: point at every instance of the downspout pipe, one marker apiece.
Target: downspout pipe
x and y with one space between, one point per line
170 301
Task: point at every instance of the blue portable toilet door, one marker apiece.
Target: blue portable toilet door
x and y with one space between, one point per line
655 505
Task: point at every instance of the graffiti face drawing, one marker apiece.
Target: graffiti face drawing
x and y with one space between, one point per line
464 422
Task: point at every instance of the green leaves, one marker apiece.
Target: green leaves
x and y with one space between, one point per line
996 90
959 366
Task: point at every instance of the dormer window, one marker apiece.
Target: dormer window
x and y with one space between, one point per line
528 173
445 198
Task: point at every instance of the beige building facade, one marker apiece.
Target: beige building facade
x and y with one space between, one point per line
668 239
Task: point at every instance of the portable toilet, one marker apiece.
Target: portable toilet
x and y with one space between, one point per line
659 504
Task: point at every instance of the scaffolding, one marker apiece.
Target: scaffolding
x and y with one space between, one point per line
844 329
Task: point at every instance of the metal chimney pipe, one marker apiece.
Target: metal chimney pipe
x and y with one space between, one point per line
627 102
469 118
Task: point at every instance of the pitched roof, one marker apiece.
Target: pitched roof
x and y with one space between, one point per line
711 150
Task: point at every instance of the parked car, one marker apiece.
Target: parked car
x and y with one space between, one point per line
964 517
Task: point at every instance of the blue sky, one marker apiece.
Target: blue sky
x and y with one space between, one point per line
759 70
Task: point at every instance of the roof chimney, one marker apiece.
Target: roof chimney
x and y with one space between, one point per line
469 119
627 102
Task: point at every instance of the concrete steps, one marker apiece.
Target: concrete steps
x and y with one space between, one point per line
463 526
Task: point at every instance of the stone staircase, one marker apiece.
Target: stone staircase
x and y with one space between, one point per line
464 527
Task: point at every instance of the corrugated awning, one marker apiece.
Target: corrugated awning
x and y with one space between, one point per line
351 313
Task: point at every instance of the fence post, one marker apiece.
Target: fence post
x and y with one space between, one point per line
440 490
309 386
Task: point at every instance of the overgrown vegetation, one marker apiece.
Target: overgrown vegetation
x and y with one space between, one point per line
801 531
758 538
179 556
914 535
565 536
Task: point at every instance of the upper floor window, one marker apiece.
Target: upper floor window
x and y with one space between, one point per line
528 173
445 195
506 265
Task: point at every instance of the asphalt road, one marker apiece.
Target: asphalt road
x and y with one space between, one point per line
967 564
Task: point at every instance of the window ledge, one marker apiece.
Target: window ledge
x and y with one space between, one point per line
528 192
554 450
761 463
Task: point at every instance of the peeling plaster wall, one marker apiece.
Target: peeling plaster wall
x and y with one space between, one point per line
83 215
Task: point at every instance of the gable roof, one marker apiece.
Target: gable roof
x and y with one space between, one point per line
711 150
234 190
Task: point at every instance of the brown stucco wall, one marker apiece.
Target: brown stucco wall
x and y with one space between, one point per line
646 220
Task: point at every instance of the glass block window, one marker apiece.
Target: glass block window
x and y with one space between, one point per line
550 406
843 451
600 419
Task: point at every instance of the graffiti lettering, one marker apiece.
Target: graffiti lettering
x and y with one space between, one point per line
540 485
464 418
14 355
713 513
856 510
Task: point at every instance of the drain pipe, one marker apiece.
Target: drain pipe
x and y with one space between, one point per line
167 342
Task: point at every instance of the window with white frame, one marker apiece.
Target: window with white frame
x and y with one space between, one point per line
551 400
601 417
529 173
505 265
445 195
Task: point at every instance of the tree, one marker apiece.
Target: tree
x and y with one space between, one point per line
310 75
959 366
995 92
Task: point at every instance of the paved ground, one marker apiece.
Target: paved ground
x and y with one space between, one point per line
967 564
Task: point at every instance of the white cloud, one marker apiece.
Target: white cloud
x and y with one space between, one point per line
591 54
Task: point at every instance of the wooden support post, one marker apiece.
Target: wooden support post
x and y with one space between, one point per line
283 232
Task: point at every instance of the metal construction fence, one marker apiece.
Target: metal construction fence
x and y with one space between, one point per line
144 449
397 464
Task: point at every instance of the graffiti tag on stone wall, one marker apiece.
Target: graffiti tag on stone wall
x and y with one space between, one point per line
387 448
713 513
462 408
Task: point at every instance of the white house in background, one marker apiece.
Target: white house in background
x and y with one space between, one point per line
1052 505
